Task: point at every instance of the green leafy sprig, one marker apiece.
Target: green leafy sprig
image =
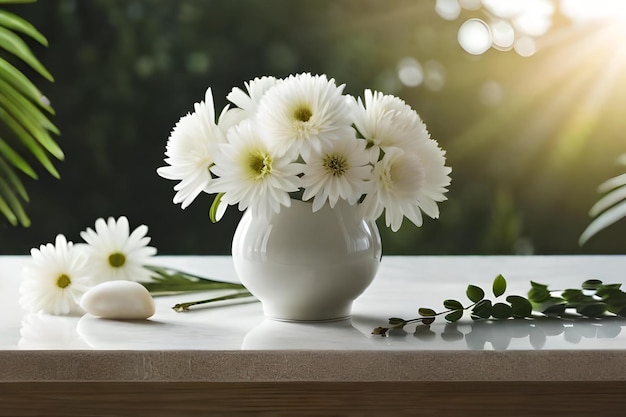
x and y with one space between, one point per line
593 300
166 281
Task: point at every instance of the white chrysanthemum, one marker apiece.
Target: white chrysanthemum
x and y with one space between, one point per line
190 150
304 112
341 170
387 121
407 183
251 175
56 279
248 103
115 253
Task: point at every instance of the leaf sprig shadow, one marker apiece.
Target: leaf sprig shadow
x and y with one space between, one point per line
593 300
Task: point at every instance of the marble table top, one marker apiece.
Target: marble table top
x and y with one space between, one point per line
234 341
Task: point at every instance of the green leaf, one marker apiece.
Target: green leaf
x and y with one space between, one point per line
214 206
16 23
16 160
499 286
591 284
169 281
520 306
30 143
14 203
593 310
501 311
537 285
454 316
474 293
482 309
397 322
14 181
426 312
16 46
538 294
31 118
555 309
453 305
573 296
18 80
7 212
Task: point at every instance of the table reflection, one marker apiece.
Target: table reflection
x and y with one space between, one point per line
535 334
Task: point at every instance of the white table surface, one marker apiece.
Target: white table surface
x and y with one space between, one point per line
29 343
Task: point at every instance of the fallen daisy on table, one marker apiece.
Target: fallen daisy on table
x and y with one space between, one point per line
108 276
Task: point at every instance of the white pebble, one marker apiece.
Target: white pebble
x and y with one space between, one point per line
122 300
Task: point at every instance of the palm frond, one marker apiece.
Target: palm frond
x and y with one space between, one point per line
610 208
24 115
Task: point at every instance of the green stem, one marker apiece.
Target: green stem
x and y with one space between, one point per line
185 306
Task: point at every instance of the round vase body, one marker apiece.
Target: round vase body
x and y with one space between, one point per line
306 266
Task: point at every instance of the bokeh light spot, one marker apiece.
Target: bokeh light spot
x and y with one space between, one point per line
474 36
410 72
448 9
525 46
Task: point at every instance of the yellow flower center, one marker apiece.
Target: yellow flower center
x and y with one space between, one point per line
337 165
303 113
63 281
260 164
117 259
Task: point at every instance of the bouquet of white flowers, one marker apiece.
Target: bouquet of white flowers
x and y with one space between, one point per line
301 137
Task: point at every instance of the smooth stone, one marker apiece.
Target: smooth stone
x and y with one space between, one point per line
122 300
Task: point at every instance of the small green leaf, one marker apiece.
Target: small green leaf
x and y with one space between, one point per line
538 295
454 316
537 285
591 284
482 309
397 322
555 309
426 312
573 295
474 293
520 306
501 311
593 310
499 285
453 305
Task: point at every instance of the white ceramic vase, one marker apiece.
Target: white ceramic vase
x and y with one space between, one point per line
307 266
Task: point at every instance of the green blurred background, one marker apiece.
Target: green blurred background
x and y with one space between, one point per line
529 132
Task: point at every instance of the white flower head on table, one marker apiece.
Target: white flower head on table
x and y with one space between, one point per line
114 253
59 274
56 279
301 137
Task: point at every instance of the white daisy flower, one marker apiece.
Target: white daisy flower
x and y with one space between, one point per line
116 254
387 121
190 149
341 170
251 175
406 183
56 279
304 112
248 103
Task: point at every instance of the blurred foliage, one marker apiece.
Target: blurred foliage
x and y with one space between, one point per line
126 70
